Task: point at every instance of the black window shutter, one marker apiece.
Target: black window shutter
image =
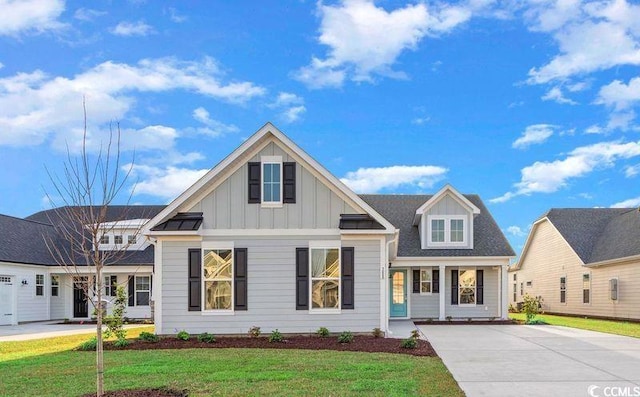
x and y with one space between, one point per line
113 284
454 287
348 284
132 291
289 183
435 283
253 190
195 277
302 278
416 281
240 279
480 287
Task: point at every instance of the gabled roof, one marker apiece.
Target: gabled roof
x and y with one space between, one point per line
488 239
597 234
447 189
265 134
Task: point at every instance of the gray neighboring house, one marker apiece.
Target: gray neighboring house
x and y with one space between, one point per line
270 238
582 261
34 288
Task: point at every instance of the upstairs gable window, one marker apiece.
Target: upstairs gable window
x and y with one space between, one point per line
437 230
271 183
445 230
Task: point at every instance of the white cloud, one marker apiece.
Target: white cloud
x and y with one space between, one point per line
138 28
420 120
548 177
212 128
175 16
165 182
365 40
595 129
291 106
35 106
631 171
630 203
88 14
620 96
516 231
30 16
534 134
555 94
372 180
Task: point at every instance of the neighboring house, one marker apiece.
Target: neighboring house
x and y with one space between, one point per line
582 261
34 288
270 238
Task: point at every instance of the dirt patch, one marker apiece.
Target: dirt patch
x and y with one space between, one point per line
361 343
144 393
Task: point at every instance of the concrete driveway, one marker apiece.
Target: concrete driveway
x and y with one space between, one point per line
46 329
539 360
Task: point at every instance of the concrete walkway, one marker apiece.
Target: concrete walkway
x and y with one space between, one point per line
401 329
540 360
47 329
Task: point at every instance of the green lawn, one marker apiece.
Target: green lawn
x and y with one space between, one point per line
50 368
611 327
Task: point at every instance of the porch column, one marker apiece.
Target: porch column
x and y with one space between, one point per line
442 293
504 303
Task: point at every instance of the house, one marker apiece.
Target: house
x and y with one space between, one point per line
34 288
582 261
270 238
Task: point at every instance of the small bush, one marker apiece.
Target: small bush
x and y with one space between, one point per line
531 307
409 343
536 321
322 332
254 332
122 342
183 335
345 337
276 336
449 318
377 333
89 345
206 337
415 334
148 337
512 308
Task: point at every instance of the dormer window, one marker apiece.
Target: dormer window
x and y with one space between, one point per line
117 239
104 239
456 230
437 230
446 230
132 239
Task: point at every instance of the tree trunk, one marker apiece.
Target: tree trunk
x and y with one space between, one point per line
99 346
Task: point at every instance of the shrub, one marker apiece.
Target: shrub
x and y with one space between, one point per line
115 322
409 343
512 308
345 337
183 335
206 337
254 332
536 321
449 318
531 307
322 332
377 333
121 343
89 345
148 337
276 336
415 334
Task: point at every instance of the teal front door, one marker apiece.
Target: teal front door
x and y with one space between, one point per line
398 293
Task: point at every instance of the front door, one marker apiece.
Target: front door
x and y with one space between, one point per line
398 294
6 301
80 304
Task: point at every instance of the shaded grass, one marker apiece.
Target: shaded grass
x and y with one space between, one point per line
50 368
611 327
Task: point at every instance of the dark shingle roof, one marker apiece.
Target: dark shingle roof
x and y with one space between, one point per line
488 239
599 234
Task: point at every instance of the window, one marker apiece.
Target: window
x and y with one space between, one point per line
39 284
456 231
529 283
325 278
425 281
132 239
613 289
437 230
563 290
521 289
586 288
467 287
515 287
143 290
55 285
110 285
104 239
271 183
117 239
218 279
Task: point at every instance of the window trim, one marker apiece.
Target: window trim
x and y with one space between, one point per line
41 285
565 290
617 289
208 246
56 285
325 245
270 160
104 237
430 281
134 237
447 231
115 238
475 286
583 289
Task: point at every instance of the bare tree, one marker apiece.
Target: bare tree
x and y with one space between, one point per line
89 183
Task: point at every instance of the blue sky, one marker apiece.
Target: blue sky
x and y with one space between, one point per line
531 104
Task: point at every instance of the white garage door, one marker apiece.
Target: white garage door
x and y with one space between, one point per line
6 301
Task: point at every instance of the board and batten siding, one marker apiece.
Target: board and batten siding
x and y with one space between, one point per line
271 290
550 257
448 206
316 207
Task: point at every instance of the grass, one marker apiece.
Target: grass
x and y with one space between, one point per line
591 324
49 368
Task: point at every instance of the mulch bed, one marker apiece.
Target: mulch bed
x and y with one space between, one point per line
361 343
162 392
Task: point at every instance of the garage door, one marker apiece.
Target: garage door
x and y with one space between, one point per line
6 301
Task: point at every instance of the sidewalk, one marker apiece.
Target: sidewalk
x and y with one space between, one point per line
47 329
